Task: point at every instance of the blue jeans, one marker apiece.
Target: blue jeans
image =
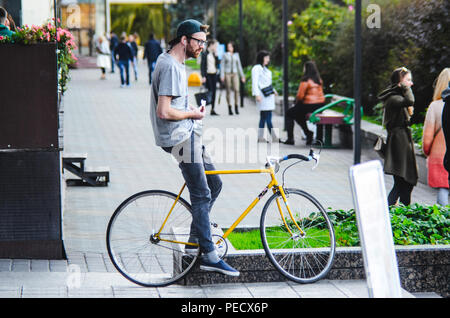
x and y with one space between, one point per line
151 68
265 118
134 62
124 66
193 161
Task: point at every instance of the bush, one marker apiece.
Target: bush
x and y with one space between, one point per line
411 225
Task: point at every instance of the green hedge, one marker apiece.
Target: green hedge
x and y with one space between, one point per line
414 224
411 225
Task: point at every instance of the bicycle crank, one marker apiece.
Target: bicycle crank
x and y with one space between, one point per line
221 245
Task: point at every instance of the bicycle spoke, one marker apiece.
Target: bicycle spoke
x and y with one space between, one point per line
302 256
134 246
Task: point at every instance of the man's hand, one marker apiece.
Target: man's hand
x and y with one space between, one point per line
410 110
198 112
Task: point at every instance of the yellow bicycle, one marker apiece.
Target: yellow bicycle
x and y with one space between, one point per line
147 234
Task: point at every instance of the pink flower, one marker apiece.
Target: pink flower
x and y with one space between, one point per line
350 8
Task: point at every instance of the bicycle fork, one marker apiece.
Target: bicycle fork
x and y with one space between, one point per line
283 195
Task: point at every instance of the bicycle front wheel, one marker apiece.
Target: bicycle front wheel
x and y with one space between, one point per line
140 250
302 255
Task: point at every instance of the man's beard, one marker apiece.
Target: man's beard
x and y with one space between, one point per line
191 53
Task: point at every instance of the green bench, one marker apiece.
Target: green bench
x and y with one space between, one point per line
326 120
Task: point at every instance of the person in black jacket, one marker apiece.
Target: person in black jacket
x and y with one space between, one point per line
209 68
113 42
446 126
123 54
152 50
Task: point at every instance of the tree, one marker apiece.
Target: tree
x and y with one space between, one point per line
261 27
311 34
413 33
143 19
187 9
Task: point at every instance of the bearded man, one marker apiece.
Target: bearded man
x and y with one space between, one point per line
177 129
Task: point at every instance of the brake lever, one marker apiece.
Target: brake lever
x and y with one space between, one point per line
315 157
274 162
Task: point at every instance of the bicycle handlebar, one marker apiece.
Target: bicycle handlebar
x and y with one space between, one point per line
311 156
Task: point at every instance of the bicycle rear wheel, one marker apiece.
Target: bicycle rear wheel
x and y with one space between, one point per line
136 250
301 257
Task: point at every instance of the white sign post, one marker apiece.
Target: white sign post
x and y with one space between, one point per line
375 232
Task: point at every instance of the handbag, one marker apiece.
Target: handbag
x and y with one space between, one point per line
380 146
207 96
267 91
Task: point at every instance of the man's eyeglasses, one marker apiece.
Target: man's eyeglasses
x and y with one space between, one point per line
199 42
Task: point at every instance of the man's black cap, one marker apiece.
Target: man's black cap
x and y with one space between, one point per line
189 27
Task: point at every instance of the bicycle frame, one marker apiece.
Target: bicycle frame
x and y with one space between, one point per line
272 185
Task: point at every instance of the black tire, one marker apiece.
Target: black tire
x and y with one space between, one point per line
134 250
302 259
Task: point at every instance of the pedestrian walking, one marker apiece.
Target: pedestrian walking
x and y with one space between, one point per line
123 55
103 55
209 67
113 43
400 158
264 94
433 141
309 98
177 129
134 59
230 73
152 49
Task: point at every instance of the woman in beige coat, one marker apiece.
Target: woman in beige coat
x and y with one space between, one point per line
433 142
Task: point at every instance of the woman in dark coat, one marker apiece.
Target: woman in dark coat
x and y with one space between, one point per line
400 159
446 126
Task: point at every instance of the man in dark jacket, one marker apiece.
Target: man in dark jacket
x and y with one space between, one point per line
151 52
113 43
446 126
123 54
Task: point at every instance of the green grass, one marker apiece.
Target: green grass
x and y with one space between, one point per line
251 240
246 240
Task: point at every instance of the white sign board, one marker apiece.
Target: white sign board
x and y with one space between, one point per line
375 232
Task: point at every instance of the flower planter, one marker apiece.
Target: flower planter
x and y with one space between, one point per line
30 186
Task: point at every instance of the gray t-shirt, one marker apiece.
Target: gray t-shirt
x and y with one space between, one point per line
169 79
